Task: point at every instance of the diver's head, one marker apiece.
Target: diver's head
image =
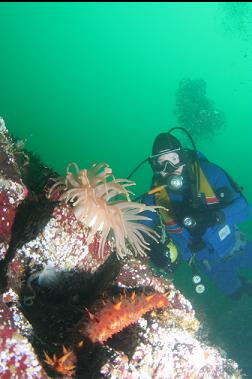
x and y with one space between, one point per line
166 156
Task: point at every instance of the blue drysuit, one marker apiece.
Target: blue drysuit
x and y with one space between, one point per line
224 249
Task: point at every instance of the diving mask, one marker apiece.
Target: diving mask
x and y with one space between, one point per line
166 166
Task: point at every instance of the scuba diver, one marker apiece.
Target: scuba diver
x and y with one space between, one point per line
203 206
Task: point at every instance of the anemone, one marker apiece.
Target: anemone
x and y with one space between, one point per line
103 204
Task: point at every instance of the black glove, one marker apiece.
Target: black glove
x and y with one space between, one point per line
160 257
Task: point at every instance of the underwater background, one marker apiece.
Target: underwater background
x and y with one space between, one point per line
88 82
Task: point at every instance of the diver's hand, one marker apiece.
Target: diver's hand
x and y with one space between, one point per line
159 255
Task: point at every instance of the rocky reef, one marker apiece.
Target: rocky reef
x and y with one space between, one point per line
71 307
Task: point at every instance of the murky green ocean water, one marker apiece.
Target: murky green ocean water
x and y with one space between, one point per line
89 82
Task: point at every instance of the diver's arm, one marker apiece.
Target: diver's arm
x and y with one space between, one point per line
236 212
233 205
158 251
153 218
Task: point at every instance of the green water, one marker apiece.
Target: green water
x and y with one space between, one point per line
89 82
